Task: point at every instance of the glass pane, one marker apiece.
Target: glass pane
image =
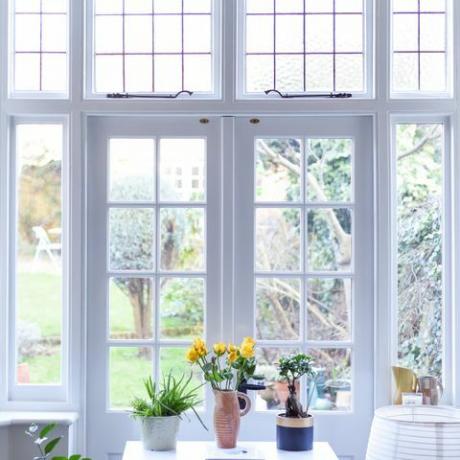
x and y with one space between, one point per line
289 33
333 390
259 6
259 34
278 308
168 34
39 276
406 5
138 34
129 367
419 173
349 33
259 73
349 72
198 81
197 6
27 32
432 5
138 74
278 239
405 37
349 6
319 73
183 169
167 6
27 6
108 6
405 72
432 32
54 71
54 33
433 71
289 72
319 33
329 303
329 163
173 360
197 34
109 74
138 6
131 169
289 6
278 163
109 34
27 72
275 395
131 239
131 308
168 74
319 6
182 239
329 245
182 305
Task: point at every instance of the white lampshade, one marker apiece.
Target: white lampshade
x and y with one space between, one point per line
414 433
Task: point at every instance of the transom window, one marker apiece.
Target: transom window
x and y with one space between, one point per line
419 46
304 45
159 46
40 46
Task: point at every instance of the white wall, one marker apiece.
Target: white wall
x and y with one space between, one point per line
4 444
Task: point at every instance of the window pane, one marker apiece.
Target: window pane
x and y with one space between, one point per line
40 46
297 47
419 46
39 275
329 163
182 305
278 163
333 390
129 367
131 239
275 395
131 308
329 312
182 239
329 246
419 157
278 233
182 169
154 46
278 308
131 169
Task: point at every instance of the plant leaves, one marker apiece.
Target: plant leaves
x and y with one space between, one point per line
52 445
47 429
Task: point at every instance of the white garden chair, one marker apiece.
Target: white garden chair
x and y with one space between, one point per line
46 245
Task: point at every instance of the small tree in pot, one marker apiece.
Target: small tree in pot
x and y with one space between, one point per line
294 428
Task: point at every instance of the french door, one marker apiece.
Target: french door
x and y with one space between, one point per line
227 227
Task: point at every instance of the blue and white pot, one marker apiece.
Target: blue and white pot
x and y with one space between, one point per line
294 434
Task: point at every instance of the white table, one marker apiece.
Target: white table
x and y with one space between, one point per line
196 451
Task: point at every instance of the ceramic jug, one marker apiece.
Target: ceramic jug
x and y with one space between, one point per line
431 388
405 382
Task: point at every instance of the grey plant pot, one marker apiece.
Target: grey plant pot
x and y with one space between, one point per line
160 433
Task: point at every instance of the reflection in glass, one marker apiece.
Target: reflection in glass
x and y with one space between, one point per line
329 308
182 239
275 395
129 367
132 169
131 308
131 239
333 389
329 245
329 171
182 169
278 308
39 275
182 306
278 167
278 239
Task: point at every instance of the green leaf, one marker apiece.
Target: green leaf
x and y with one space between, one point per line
52 445
60 458
47 429
75 457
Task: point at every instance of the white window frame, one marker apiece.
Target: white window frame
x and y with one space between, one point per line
421 94
216 47
368 57
43 95
79 110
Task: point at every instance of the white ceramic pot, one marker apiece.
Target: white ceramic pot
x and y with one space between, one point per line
160 433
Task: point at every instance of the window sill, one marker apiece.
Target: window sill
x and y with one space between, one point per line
10 418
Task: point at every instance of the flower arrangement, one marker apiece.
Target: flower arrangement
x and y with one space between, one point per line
227 365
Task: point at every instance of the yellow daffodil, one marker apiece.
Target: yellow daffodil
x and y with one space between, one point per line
192 355
247 350
248 340
232 348
219 348
200 347
232 356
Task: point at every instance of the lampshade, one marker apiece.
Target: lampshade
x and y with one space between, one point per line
414 433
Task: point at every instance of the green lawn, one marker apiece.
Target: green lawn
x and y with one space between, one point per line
39 304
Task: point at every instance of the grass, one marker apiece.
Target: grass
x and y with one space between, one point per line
39 303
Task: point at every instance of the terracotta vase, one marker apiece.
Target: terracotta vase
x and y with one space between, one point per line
227 416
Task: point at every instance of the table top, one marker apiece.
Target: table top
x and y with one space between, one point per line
197 451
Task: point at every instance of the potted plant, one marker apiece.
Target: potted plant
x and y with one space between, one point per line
294 427
225 368
161 411
45 446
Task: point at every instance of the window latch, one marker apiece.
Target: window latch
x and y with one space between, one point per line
147 96
331 95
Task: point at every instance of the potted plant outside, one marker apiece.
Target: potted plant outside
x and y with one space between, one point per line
45 446
225 368
294 427
161 412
